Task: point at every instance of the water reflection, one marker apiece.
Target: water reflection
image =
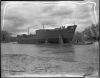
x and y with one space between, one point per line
68 53
64 53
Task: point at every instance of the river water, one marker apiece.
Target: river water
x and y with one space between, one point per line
71 53
68 54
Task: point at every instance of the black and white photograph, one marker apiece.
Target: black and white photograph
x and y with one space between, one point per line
50 39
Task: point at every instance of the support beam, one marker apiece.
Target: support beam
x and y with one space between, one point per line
60 39
46 41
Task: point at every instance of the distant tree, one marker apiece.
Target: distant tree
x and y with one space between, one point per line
97 30
97 27
87 32
93 27
92 31
5 36
77 36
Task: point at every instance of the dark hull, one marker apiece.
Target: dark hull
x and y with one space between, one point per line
51 40
52 36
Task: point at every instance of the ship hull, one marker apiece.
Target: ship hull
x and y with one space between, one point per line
51 40
51 36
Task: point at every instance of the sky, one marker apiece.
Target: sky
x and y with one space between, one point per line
18 16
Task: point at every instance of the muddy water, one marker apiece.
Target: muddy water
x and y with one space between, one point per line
55 59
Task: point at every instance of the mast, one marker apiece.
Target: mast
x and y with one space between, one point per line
43 26
28 30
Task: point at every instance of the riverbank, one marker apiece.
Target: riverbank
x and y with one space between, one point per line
20 64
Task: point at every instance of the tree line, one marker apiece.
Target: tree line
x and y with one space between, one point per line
89 33
92 31
6 37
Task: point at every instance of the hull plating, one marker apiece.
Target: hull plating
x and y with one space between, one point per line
51 40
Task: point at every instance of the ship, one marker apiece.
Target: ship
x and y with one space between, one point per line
60 35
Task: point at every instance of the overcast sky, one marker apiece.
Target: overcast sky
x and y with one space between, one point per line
18 17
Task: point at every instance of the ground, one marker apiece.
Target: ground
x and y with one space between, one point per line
20 64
